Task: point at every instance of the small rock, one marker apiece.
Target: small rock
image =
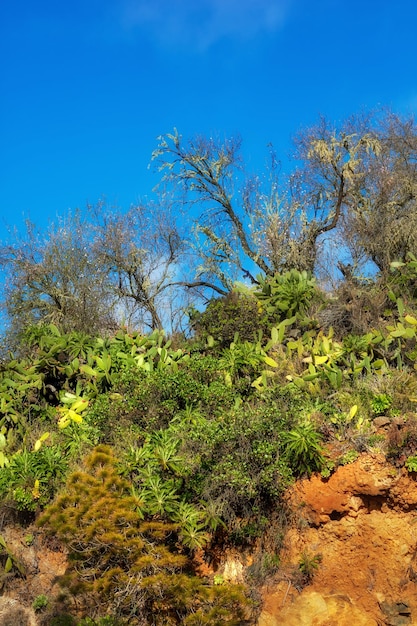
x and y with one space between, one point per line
380 422
396 613
12 613
233 571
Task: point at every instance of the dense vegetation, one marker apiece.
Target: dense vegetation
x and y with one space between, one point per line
140 450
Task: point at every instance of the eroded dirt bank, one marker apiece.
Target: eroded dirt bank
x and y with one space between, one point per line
362 524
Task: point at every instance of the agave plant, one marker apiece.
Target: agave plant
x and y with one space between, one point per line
164 446
160 496
192 527
288 294
303 449
240 359
194 535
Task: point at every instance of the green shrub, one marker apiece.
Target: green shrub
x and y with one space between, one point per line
226 316
348 457
31 478
381 403
235 461
40 602
308 565
411 464
152 400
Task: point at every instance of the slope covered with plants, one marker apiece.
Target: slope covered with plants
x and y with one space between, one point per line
139 452
146 452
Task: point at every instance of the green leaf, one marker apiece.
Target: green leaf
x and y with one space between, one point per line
104 363
75 417
86 369
9 565
269 361
274 334
309 377
79 405
258 383
40 441
400 306
400 332
378 364
353 411
300 382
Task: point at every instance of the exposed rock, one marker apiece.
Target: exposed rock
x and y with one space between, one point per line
403 494
396 613
12 613
41 563
362 523
314 609
381 421
365 484
233 570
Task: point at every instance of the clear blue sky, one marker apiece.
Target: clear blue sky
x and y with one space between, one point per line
88 85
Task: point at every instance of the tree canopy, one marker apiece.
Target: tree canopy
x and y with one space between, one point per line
352 187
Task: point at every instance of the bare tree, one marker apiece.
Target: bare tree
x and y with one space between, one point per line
243 228
54 277
95 271
381 223
204 171
144 254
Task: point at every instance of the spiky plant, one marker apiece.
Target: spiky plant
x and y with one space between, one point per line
302 448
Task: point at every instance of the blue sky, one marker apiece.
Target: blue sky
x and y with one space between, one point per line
88 85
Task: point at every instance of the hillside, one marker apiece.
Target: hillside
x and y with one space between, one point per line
261 471
359 525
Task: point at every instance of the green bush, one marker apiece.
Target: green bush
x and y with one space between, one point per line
308 565
32 478
235 461
151 400
226 316
381 403
40 602
284 295
411 464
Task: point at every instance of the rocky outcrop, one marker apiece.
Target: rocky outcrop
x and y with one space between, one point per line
37 563
362 521
368 484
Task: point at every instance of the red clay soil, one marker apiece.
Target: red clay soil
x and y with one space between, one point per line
362 522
